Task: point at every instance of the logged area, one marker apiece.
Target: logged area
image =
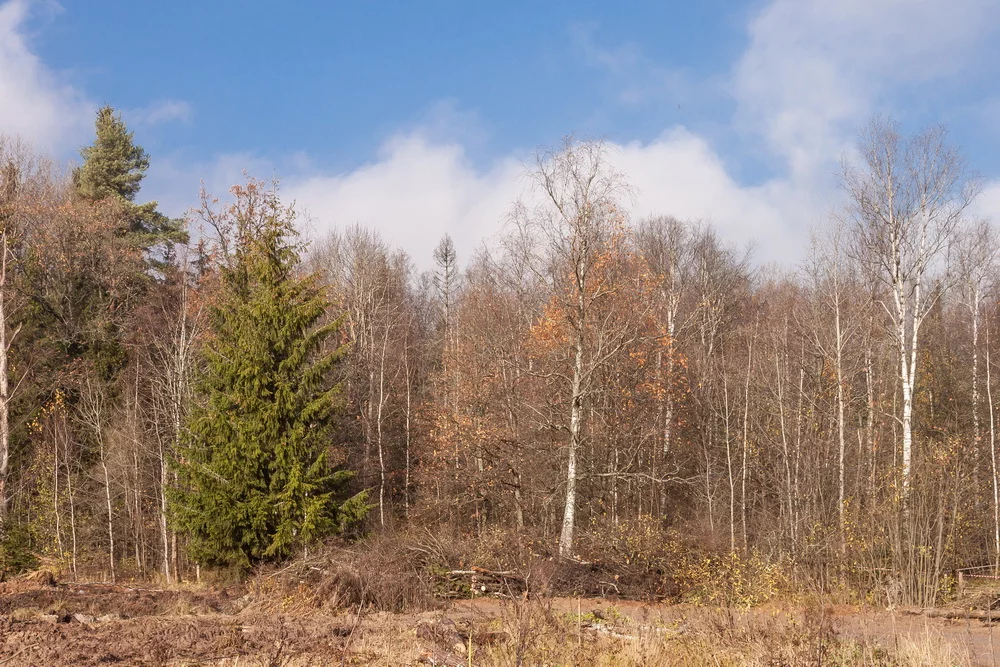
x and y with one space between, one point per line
99 624
605 435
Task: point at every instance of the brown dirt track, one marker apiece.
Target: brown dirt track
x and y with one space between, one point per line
99 624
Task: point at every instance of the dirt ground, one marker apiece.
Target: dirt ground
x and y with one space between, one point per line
100 624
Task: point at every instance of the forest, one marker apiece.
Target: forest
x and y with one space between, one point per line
636 397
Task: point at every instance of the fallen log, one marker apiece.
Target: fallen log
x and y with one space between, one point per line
480 581
492 573
956 614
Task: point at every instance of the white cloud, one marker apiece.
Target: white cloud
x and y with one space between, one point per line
815 69
811 73
35 103
988 204
175 180
681 175
163 111
416 192
634 77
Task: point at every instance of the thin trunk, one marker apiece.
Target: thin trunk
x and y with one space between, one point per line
784 448
378 427
870 425
4 380
908 361
409 409
614 489
164 536
72 507
668 417
796 479
55 496
729 463
575 434
518 506
841 441
175 551
107 498
707 446
746 441
993 452
975 372
136 513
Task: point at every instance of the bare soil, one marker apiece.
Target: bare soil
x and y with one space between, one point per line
100 624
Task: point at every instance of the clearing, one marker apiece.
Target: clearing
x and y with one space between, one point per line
44 623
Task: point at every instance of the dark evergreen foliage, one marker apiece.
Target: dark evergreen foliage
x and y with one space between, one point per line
254 478
114 166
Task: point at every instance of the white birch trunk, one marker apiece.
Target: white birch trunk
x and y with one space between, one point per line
993 452
841 441
4 380
575 433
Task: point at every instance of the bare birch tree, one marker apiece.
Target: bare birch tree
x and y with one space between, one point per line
837 316
976 262
907 196
567 237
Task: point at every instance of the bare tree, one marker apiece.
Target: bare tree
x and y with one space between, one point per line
569 237
93 415
907 196
8 185
25 180
975 268
666 245
446 283
171 363
976 264
837 315
369 282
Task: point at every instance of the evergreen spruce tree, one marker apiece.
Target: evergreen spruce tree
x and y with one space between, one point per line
114 166
254 482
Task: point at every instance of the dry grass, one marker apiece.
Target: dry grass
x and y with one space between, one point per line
386 586
535 632
930 651
516 632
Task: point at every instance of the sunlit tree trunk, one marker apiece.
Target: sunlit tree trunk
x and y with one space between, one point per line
6 338
993 453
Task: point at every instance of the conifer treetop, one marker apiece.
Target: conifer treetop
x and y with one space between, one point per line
114 166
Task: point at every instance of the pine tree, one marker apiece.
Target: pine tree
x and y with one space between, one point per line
114 166
254 482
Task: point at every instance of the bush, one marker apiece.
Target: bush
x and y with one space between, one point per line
16 555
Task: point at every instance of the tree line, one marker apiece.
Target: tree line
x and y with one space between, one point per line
216 391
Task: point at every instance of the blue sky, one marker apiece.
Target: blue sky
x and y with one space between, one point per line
335 78
416 117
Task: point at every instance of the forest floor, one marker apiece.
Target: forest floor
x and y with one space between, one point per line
42 623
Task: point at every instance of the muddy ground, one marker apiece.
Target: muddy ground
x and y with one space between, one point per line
100 624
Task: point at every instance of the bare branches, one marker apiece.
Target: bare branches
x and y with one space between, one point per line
906 201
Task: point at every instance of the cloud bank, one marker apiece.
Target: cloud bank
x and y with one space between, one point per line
811 73
35 103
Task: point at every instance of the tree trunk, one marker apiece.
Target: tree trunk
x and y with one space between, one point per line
4 380
993 453
786 455
575 434
107 498
409 410
746 441
379 417
841 441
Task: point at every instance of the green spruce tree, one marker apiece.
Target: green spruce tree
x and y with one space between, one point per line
114 166
254 481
